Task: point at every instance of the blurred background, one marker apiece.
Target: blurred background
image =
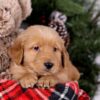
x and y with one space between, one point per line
83 26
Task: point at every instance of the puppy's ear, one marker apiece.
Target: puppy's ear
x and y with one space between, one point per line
16 52
71 71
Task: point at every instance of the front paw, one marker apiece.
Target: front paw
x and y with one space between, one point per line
28 81
47 82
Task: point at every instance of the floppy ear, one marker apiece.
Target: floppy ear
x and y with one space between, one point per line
71 71
16 52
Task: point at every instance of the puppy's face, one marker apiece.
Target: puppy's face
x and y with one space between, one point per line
38 49
42 55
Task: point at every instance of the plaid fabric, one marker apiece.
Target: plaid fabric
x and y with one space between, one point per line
11 90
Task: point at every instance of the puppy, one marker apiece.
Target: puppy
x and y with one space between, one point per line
39 58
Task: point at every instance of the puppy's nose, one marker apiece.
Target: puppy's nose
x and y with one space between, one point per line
48 65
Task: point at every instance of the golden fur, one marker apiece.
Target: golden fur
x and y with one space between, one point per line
37 45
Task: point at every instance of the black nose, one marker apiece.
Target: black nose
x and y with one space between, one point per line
48 65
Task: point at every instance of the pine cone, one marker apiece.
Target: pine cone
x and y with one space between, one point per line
57 22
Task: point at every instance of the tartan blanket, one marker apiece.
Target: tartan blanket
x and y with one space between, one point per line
11 90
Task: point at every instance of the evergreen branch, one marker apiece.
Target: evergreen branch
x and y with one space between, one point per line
69 7
95 19
92 6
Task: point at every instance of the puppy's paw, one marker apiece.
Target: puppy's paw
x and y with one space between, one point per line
28 81
47 82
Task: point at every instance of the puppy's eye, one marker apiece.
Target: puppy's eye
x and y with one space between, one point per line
36 48
55 49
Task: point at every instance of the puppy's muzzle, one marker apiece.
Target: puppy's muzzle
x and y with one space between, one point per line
48 65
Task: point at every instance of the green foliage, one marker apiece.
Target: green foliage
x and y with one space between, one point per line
45 7
65 6
68 7
85 44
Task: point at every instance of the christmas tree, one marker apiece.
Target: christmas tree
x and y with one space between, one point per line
84 34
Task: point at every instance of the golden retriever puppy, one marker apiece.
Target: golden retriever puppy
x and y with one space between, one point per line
39 58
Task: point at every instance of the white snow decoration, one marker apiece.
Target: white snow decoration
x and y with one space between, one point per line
97 59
